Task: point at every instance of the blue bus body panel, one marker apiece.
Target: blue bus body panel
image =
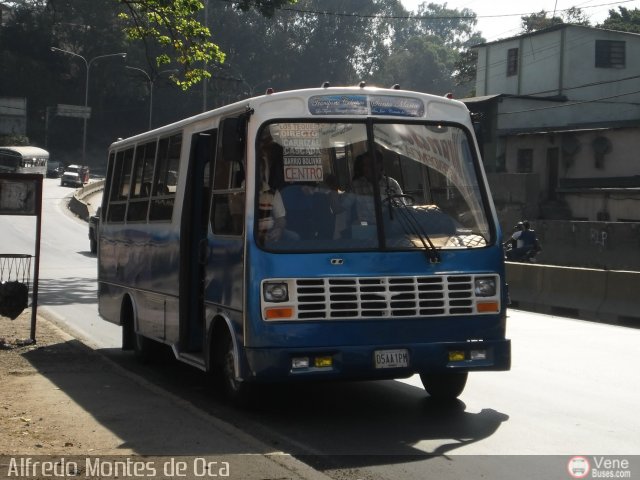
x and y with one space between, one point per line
270 346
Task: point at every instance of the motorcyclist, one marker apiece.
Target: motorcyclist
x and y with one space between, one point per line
524 243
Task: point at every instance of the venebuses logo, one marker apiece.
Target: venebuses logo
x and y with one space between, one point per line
578 467
599 467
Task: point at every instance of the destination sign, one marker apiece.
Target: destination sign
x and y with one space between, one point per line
387 105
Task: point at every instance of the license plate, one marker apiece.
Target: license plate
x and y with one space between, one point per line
391 358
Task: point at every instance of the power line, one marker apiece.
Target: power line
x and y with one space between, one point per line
426 17
572 103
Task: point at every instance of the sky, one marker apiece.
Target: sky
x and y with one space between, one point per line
501 18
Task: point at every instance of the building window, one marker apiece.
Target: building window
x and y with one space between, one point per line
610 54
525 160
512 62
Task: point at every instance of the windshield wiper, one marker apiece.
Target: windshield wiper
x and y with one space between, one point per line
407 219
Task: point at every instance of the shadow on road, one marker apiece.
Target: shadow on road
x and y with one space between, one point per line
66 291
326 425
362 424
141 418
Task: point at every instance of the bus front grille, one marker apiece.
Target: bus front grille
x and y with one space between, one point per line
383 297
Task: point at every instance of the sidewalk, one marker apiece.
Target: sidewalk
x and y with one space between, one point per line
61 398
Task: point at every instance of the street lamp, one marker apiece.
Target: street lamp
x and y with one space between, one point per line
151 80
87 64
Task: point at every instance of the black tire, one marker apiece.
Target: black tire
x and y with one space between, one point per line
237 392
444 386
145 349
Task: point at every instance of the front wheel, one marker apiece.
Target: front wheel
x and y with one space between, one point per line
444 386
235 390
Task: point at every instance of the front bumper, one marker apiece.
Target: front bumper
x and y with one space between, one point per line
357 362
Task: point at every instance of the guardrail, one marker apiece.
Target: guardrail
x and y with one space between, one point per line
605 295
77 204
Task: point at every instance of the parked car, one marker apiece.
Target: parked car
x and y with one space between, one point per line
75 175
94 221
54 169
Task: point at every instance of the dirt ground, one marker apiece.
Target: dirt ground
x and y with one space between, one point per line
59 397
25 428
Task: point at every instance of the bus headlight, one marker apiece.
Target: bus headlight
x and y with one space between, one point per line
485 286
275 292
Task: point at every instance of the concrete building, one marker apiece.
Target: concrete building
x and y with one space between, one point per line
13 116
560 116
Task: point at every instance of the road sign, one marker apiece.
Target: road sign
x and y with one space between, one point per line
77 111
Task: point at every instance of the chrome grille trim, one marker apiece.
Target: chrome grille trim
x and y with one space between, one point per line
383 297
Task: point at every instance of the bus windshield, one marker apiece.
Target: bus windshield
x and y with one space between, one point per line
349 186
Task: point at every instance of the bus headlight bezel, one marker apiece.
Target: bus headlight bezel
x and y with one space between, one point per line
275 292
485 286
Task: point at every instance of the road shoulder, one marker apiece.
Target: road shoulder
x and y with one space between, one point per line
60 397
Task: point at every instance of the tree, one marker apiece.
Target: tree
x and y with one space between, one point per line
454 27
427 50
320 40
540 20
465 67
180 36
423 65
624 20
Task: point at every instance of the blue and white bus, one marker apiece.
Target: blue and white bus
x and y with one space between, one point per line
23 159
317 234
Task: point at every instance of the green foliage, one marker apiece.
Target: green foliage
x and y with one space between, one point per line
14 141
240 49
624 20
426 53
540 20
454 27
465 65
181 38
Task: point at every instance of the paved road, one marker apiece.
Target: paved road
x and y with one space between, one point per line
573 390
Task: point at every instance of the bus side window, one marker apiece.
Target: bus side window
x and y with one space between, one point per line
120 185
141 182
227 214
165 178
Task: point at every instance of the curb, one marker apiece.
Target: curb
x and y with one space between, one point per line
300 469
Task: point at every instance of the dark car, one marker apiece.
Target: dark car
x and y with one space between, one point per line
54 169
94 221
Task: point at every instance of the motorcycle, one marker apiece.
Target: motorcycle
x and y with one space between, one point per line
521 255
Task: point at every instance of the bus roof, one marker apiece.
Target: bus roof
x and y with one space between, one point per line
25 152
455 109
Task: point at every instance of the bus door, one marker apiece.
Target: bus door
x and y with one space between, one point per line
193 240
224 288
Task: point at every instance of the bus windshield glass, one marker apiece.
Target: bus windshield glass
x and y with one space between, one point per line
349 186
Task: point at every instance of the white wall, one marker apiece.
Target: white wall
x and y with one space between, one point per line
541 56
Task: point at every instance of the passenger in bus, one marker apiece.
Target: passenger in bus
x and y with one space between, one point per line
360 199
271 216
336 206
272 219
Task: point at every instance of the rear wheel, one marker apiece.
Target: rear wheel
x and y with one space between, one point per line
444 386
144 348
